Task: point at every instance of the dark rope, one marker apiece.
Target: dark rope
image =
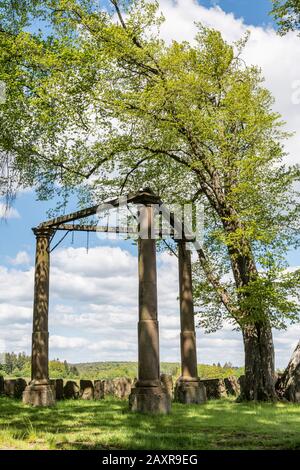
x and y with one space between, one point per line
60 241
170 248
87 241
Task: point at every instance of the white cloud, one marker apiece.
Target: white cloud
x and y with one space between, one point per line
22 258
63 342
92 277
14 313
8 212
16 286
93 317
103 263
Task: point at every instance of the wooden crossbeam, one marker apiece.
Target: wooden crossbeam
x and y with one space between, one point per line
141 197
104 229
95 228
135 198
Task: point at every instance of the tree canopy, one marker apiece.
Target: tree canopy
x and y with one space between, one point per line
287 13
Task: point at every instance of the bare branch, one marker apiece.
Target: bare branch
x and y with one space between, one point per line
139 163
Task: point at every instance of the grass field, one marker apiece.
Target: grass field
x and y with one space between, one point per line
108 425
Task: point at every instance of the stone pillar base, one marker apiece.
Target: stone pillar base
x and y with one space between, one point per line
151 400
190 391
38 395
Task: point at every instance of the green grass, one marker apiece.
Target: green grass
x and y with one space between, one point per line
108 425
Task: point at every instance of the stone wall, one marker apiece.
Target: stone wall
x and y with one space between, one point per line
14 388
221 388
71 390
57 386
98 389
232 386
119 388
86 390
168 385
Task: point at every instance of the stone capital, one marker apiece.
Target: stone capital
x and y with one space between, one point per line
42 232
146 198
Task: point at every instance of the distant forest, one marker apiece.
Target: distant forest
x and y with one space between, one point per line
19 365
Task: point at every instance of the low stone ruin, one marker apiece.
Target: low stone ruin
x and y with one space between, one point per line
232 385
14 388
57 386
167 385
221 388
86 390
288 383
122 387
71 390
98 389
118 388
215 388
1 385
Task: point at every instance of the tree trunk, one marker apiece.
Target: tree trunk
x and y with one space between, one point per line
259 382
288 385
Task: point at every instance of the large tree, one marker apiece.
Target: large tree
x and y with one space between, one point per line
104 105
15 84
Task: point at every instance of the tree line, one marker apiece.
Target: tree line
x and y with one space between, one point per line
19 365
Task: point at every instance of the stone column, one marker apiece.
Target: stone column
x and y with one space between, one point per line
148 395
189 389
39 392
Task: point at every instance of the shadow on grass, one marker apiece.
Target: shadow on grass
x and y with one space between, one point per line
108 424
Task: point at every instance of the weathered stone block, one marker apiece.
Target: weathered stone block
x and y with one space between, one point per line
86 390
52 384
122 387
108 387
232 386
39 394
149 400
190 392
14 388
9 388
215 388
167 385
59 389
1 385
71 390
119 388
57 386
98 389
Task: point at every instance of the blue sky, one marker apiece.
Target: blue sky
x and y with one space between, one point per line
93 298
255 12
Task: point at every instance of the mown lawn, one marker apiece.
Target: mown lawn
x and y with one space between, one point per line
108 425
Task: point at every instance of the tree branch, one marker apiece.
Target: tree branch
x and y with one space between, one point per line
222 292
139 163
